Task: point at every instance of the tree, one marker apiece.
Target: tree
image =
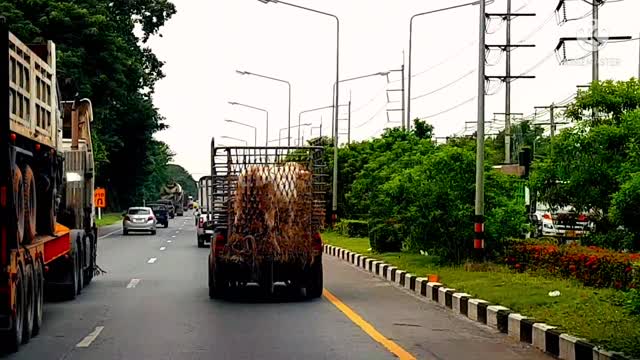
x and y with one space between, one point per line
101 58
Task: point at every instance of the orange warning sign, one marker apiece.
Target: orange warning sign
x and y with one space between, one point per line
100 198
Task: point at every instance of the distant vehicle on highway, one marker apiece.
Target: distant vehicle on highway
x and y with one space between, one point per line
161 213
169 205
139 219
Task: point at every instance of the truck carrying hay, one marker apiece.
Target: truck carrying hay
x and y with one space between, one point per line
272 205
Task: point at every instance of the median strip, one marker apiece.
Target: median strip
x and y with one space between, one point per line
394 348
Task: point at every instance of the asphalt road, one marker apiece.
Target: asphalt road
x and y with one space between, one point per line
159 309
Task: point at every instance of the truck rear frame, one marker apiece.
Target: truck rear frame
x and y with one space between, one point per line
238 255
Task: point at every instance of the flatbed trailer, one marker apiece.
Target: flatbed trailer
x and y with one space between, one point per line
48 238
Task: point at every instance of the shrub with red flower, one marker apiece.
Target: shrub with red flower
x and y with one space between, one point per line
591 265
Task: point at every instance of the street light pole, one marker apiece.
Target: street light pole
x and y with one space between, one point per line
259 109
411 43
236 139
336 99
255 130
278 80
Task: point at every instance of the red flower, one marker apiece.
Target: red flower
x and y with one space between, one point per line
628 269
518 266
618 284
572 268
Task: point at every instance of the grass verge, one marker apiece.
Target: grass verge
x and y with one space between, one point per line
594 314
108 219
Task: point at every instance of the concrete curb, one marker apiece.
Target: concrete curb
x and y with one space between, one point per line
543 337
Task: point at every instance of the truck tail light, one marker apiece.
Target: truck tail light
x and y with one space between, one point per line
126 218
582 218
317 242
201 222
547 216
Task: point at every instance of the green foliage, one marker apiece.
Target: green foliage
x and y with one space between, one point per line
593 165
617 239
353 228
385 236
101 58
632 302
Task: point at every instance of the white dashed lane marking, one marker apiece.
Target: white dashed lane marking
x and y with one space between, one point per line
152 260
86 342
169 241
163 248
132 284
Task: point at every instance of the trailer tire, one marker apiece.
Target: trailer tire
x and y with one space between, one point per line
18 202
315 280
218 284
29 303
11 339
46 216
90 244
69 291
38 313
80 273
30 205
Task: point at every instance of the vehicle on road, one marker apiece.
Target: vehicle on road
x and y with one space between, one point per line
270 218
205 216
139 219
173 192
563 223
170 208
48 244
161 213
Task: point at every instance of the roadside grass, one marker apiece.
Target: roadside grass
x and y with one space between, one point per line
108 219
594 314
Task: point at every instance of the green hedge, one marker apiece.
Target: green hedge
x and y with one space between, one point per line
353 228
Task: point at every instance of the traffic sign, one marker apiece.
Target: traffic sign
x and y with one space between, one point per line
100 198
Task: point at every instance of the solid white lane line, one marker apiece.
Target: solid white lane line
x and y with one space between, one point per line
109 234
163 248
86 342
133 283
152 260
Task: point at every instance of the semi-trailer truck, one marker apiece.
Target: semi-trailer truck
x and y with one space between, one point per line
48 235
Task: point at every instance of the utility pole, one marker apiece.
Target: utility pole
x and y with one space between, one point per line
507 48
552 117
408 125
594 38
402 91
478 242
349 122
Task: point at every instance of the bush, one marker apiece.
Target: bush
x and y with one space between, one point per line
615 240
632 302
385 237
591 265
353 228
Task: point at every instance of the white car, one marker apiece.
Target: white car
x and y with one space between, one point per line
564 222
139 219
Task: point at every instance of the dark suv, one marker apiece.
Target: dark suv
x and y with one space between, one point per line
162 214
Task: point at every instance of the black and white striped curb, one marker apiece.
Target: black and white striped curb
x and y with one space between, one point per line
546 338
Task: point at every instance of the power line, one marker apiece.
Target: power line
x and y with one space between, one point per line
449 109
446 85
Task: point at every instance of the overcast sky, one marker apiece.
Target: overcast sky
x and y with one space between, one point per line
206 41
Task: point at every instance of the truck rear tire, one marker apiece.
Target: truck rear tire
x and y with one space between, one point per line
30 205
69 290
315 280
90 244
29 303
11 339
46 216
39 298
218 284
18 202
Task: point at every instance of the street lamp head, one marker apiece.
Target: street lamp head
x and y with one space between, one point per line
268 1
242 72
384 73
228 120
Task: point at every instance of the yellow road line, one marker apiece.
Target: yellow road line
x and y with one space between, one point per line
394 348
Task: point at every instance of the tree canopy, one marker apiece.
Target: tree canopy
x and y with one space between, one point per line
102 55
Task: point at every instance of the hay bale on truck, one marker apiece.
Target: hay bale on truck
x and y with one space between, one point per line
272 198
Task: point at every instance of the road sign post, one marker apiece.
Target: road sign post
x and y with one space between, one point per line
100 200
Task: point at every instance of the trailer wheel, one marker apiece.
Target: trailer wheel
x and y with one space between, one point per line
39 298
29 303
11 339
46 216
315 280
30 205
218 284
18 202
69 290
91 244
